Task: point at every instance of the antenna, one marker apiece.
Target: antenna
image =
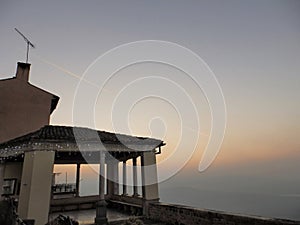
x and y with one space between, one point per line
28 43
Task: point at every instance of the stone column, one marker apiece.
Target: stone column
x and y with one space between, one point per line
116 177
124 178
110 183
135 187
101 218
35 193
77 179
149 180
113 178
2 171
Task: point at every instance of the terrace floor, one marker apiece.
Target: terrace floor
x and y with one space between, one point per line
88 216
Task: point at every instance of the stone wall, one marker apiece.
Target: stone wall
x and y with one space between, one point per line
184 215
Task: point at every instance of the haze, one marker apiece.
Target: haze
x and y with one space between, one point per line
253 48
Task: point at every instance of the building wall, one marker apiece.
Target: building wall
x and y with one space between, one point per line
14 171
2 171
24 108
183 215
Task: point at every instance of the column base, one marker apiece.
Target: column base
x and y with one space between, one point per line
101 221
146 205
101 210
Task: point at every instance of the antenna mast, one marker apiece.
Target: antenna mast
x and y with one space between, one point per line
29 44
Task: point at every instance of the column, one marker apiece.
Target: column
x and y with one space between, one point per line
101 175
135 187
113 178
116 177
34 200
124 178
101 218
110 179
149 180
77 179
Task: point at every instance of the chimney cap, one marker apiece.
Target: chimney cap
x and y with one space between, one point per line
24 65
23 71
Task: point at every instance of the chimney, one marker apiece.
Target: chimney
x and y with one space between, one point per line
23 71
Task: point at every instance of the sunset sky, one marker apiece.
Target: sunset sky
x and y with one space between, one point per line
253 49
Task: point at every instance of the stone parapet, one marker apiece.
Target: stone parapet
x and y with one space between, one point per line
184 215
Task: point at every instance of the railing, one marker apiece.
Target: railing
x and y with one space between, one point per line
63 188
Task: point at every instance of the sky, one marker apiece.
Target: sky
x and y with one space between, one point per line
251 48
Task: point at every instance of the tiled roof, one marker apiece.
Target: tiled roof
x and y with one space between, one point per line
78 134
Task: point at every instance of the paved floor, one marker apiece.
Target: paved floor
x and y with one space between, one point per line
88 216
